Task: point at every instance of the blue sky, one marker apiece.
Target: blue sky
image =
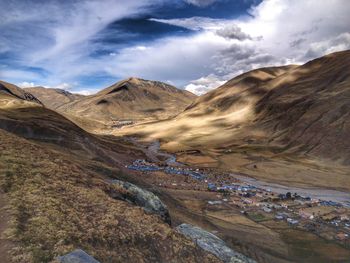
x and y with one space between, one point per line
86 45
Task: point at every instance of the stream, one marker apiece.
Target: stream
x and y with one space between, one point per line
170 158
153 151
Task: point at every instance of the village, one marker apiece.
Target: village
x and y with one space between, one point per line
327 219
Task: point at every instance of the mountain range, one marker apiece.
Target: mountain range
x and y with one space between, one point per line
60 151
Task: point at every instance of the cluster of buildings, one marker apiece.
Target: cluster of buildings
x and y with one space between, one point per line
120 123
144 166
328 219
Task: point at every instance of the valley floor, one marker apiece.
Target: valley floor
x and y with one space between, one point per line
246 227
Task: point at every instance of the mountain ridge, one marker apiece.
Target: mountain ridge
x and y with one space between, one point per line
132 99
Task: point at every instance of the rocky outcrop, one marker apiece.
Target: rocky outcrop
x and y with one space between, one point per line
213 244
77 256
141 197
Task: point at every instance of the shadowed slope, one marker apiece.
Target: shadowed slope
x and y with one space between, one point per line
309 108
304 109
289 125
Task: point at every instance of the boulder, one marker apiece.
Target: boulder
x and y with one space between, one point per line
77 256
213 244
143 198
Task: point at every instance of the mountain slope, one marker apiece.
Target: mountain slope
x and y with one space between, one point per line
131 99
53 98
237 93
8 90
216 117
289 125
56 176
309 108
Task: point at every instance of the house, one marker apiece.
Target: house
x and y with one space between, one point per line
214 202
306 214
342 236
284 205
344 218
267 210
292 221
247 201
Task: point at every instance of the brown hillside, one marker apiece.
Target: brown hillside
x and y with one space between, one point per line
11 91
131 99
288 125
53 98
309 108
55 177
304 109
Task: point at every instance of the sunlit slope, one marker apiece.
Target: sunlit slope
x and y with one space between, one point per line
302 109
29 119
218 116
131 99
10 93
55 177
53 98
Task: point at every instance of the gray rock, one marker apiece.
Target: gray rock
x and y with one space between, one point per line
213 244
143 198
77 256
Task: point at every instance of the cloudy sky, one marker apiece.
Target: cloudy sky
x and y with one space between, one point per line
86 45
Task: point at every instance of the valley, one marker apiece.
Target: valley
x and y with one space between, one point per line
259 165
184 131
221 201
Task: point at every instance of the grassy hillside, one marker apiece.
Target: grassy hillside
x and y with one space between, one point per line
53 180
286 124
53 98
131 99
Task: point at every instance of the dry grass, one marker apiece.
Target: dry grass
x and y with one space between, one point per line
57 206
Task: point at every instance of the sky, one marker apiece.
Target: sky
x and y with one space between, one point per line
86 45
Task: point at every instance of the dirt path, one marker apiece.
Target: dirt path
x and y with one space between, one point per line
4 218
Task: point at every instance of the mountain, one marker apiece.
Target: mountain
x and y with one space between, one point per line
287 124
214 118
53 98
13 92
308 108
55 183
305 108
131 99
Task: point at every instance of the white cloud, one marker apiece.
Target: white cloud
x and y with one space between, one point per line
204 84
84 21
233 32
276 32
201 3
85 92
26 84
341 42
18 76
173 58
64 86
196 23
57 35
284 23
